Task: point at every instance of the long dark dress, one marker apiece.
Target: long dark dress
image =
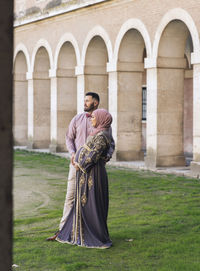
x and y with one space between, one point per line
87 222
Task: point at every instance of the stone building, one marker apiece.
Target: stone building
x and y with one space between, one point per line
141 56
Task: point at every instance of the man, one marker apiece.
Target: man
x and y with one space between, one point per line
78 131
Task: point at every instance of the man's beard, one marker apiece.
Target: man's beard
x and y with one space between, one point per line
90 108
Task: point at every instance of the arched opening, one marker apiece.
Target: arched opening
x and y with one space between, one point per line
96 77
67 92
20 106
41 86
174 95
131 123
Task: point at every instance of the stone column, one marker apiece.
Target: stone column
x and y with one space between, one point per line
151 124
66 103
6 144
42 110
96 80
129 127
29 78
53 120
79 72
165 112
113 98
20 108
195 164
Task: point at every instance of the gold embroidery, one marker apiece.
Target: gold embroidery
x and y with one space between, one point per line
82 169
90 182
93 150
82 180
83 199
87 148
75 231
88 160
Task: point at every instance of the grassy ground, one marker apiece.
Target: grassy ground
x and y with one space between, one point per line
154 220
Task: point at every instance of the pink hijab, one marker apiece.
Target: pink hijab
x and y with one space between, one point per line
104 120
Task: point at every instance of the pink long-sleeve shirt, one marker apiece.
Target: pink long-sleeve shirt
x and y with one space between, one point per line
79 129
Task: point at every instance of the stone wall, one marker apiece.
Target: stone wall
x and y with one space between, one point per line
108 47
32 9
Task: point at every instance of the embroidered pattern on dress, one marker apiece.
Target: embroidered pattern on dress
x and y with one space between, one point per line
90 153
88 160
82 180
90 182
83 199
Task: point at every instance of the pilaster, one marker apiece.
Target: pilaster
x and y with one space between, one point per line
195 164
29 78
113 100
79 72
151 124
53 121
165 112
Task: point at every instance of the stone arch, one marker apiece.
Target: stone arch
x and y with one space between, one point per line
66 90
95 65
42 43
177 14
21 47
41 89
97 31
174 95
67 37
129 54
20 106
141 28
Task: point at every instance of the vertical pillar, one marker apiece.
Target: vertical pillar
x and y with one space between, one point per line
96 80
6 144
129 75
53 110
20 114
113 98
29 78
151 124
165 112
79 72
195 164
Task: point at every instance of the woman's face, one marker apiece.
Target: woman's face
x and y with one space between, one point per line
93 120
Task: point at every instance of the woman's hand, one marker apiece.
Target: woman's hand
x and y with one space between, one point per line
72 158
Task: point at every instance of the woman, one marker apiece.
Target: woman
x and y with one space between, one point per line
87 222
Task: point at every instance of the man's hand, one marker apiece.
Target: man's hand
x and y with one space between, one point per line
76 166
72 159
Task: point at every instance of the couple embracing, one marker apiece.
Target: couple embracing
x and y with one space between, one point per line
90 143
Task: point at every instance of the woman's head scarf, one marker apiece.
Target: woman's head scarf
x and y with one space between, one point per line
103 120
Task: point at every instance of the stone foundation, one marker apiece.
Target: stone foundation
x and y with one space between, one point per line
195 168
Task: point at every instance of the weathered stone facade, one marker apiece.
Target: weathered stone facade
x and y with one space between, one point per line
65 48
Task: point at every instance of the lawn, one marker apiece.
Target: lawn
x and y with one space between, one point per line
154 220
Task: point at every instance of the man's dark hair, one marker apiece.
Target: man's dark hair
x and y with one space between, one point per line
94 95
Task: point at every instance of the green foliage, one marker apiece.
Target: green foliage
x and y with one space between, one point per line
154 220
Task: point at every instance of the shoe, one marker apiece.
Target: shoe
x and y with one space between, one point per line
52 238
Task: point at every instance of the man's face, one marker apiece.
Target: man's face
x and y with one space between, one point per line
90 104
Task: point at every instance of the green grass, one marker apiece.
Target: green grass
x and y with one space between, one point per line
154 220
